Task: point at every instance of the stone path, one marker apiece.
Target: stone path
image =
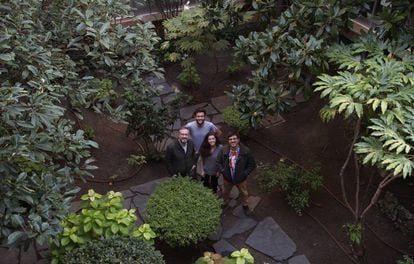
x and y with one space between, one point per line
264 236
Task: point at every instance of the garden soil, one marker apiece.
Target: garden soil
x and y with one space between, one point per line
319 232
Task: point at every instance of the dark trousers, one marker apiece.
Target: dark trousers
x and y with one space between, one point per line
211 181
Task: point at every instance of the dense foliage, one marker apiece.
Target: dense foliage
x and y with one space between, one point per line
99 217
294 181
237 257
286 56
183 212
126 250
374 88
55 54
232 117
191 33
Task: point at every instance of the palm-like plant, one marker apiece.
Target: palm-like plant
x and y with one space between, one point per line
375 88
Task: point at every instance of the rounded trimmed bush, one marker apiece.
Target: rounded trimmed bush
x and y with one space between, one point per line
183 212
114 250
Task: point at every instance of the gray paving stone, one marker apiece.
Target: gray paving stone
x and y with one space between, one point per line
238 212
221 102
140 203
233 203
74 206
301 259
168 97
154 80
177 124
147 188
253 201
239 227
128 203
217 119
217 235
127 194
156 100
271 240
234 193
164 88
210 110
223 247
140 220
187 112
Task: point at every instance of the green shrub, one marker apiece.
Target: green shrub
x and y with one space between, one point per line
237 257
99 217
232 117
126 250
406 260
291 179
183 212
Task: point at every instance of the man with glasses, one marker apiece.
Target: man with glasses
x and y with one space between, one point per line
180 155
236 162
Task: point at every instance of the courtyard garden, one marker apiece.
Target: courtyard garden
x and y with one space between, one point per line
321 92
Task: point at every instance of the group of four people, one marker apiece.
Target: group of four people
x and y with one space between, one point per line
233 161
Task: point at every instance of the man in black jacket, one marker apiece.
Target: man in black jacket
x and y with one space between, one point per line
236 162
180 155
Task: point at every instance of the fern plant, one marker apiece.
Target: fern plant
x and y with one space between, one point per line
191 33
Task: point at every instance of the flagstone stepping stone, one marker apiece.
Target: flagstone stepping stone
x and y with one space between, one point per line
216 236
271 240
210 110
217 119
140 203
147 188
75 206
253 201
127 194
154 80
164 88
187 112
223 247
232 203
221 102
301 259
177 124
168 98
128 203
156 100
239 212
234 193
239 227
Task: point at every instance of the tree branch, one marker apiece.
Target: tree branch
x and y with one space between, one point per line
389 178
357 187
342 172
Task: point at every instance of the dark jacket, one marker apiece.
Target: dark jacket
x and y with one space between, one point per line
179 162
245 164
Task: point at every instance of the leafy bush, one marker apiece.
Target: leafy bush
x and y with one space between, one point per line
151 122
232 117
401 217
406 260
126 250
99 217
291 179
237 257
183 212
191 33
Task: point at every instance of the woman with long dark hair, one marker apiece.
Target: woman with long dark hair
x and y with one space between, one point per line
208 151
